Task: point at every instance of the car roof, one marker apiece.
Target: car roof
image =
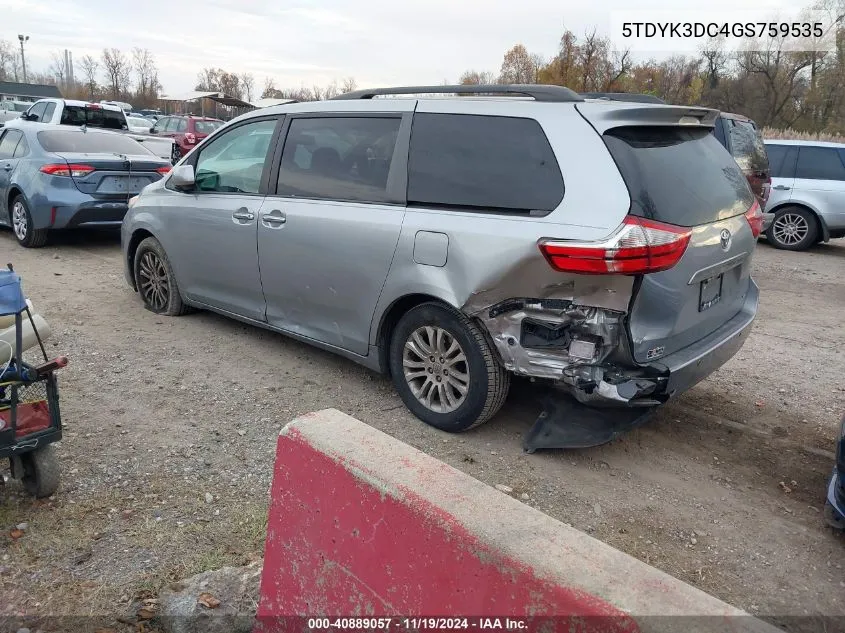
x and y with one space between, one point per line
778 141
37 126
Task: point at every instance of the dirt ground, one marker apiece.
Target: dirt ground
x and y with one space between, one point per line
723 489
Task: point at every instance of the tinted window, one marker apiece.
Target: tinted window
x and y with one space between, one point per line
22 149
234 161
172 124
482 162
345 158
37 111
48 112
8 142
161 124
747 147
90 142
777 157
206 127
820 163
93 117
678 175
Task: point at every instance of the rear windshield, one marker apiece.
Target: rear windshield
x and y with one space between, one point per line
89 142
747 146
207 127
93 117
678 175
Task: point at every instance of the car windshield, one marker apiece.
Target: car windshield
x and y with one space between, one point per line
91 142
207 127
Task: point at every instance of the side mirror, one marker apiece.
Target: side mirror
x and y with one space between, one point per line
153 130
182 177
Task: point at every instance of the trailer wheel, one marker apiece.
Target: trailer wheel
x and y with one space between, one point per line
41 472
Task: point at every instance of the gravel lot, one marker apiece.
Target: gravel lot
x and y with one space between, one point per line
171 425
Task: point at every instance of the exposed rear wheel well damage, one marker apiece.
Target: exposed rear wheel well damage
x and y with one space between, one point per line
137 237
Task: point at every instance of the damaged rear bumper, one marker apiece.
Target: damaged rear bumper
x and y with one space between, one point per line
584 350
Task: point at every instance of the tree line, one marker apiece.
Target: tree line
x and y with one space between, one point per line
804 91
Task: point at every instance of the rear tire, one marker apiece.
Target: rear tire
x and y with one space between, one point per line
22 225
793 229
155 280
41 472
445 369
833 518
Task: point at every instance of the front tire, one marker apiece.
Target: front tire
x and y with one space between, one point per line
23 227
445 369
155 280
793 229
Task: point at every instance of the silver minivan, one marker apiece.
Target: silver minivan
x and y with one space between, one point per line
604 247
807 200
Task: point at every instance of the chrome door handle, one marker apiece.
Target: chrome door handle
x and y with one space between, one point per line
781 187
242 216
7 167
273 219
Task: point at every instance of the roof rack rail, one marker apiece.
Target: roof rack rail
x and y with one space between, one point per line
539 92
623 96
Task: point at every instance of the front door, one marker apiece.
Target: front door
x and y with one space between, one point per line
782 163
211 230
820 179
326 238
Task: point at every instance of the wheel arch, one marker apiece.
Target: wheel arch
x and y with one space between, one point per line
808 207
138 236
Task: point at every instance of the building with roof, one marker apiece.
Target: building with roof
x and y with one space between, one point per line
13 91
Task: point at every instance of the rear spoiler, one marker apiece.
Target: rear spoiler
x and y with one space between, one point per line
623 96
603 117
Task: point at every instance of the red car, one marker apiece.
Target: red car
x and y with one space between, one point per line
185 130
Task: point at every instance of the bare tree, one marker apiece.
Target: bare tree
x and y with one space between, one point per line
118 72
58 68
90 66
146 75
247 86
349 85
476 78
8 57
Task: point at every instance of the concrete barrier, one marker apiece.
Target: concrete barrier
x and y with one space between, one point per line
363 525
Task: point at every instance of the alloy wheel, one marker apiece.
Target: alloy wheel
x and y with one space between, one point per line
790 229
436 369
20 225
153 281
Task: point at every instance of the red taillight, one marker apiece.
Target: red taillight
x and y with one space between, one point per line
755 218
64 169
164 170
190 138
637 247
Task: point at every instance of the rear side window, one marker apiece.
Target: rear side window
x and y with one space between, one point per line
8 143
343 158
747 147
820 163
22 149
89 142
181 125
207 127
93 117
482 162
777 157
678 175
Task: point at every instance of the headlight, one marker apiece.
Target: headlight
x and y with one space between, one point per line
132 201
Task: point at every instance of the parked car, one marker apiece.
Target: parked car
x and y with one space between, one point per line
139 125
743 140
807 204
834 509
106 116
185 130
65 177
10 110
148 112
451 243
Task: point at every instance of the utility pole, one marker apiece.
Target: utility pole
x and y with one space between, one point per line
23 38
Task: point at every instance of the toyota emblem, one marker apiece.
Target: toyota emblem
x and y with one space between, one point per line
725 239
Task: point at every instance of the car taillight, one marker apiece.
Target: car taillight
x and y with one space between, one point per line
637 247
164 170
64 169
755 218
190 138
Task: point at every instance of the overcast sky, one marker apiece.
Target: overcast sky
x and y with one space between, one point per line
379 42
